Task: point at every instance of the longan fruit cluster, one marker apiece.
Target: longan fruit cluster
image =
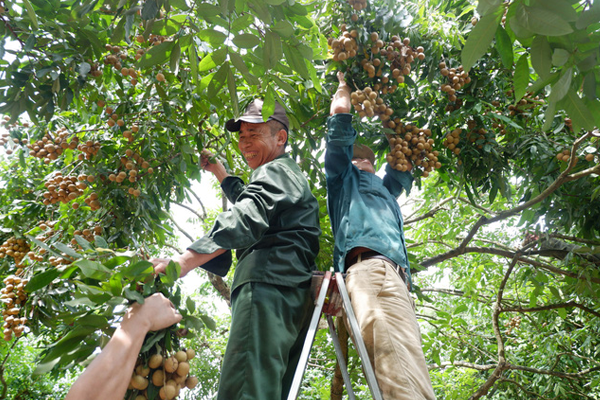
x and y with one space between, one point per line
115 58
13 296
345 47
369 104
64 259
452 140
132 162
513 323
411 145
93 202
358 5
565 155
90 148
94 69
15 248
170 374
62 189
524 105
49 148
87 234
457 78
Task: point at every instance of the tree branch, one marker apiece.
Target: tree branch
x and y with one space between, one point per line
200 217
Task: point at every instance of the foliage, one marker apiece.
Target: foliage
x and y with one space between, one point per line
127 93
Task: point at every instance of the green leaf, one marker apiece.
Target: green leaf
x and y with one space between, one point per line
577 110
174 60
242 22
233 92
133 295
558 7
521 78
156 55
246 41
190 305
206 10
589 17
480 38
213 59
171 274
560 88
549 115
140 268
560 57
85 245
92 269
541 56
283 28
213 37
285 86
31 14
485 7
100 242
295 61
504 46
272 49
217 81
67 250
239 64
542 21
150 10
193 57
42 279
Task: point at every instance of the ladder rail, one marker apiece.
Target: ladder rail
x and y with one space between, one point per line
340 357
310 338
358 340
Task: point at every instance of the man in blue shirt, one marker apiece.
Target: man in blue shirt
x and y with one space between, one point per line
370 247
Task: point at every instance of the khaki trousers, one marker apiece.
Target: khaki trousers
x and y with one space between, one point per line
386 316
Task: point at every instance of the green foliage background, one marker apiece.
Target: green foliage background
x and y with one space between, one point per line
501 318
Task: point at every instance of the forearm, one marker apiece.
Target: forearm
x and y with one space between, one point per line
108 376
190 260
341 100
219 171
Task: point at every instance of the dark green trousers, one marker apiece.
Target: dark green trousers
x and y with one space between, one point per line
268 328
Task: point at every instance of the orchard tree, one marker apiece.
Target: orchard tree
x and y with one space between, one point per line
107 105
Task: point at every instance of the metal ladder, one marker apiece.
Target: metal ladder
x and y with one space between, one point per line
338 298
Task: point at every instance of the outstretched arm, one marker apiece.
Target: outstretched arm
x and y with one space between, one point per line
340 103
108 376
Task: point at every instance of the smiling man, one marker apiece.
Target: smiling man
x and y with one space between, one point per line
274 226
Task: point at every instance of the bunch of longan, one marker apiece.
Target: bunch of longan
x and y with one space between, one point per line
15 248
115 59
87 234
513 323
170 374
457 78
62 189
524 105
93 202
368 103
411 145
345 46
49 148
90 148
132 162
13 296
565 155
358 5
452 141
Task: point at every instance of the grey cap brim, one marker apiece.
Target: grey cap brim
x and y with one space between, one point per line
234 126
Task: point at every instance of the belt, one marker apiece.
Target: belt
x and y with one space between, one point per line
367 255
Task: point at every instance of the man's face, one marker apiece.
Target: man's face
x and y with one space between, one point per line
258 145
363 164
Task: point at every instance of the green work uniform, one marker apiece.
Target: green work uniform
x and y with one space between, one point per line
274 225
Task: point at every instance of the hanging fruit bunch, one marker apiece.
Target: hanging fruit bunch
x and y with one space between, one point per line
14 297
17 249
411 146
162 376
456 79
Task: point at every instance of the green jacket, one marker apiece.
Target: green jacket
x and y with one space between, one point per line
273 224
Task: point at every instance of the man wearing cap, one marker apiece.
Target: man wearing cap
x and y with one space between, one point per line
369 246
274 225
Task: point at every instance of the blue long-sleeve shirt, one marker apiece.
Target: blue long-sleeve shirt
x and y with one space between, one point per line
362 207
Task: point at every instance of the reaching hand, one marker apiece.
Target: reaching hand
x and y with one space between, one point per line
156 313
216 168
